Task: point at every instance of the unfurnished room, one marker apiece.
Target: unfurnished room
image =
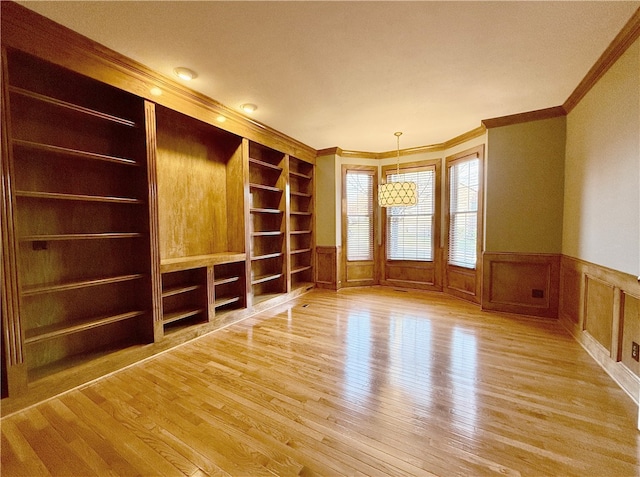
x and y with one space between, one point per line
300 238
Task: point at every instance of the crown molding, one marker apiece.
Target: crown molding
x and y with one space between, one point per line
627 36
443 146
329 151
462 138
28 31
536 115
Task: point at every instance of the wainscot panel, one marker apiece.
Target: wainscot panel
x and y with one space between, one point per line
327 267
601 308
461 282
521 283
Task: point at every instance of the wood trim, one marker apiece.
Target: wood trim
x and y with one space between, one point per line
412 150
244 150
10 293
474 295
330 151
358 154
346 265
407 267
211 294
547 113
154 237
510 278
30 32
12 332
286 226
461 139
575 275
627 36
622 280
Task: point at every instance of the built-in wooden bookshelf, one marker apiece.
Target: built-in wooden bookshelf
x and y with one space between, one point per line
130 222
201 289
301 237
229 290
184 298
267 184
200 215
76 155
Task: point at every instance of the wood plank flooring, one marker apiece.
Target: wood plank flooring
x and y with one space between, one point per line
370 381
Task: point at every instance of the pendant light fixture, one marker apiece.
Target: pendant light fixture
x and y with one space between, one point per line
397 194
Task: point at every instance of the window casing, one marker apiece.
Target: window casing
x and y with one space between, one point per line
464 195
410 230
359 187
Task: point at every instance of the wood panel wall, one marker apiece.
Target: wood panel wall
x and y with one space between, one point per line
601 308
328 267
192 187
521 283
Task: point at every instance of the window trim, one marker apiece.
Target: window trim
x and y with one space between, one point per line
435 165
347 265
373 205
469 154
413 167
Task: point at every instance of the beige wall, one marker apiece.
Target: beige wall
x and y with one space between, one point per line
524 187
327 181
602 183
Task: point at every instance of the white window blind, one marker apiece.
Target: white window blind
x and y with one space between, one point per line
410 229
464 183
359 192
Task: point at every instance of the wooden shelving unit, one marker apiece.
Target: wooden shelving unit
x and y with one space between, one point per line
267 184
184 298
230 292
77 152
201 216
301 220
202 288
130 225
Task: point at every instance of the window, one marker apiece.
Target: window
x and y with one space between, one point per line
359 215
410 229
464 183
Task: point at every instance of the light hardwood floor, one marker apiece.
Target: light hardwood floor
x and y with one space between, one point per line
370 381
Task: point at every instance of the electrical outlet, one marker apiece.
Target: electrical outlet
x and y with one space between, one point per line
635 351
537 293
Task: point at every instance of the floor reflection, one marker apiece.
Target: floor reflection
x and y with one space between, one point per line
402 361
410 356
463 372
357 370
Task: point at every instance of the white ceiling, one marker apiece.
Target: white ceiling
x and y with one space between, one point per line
350 74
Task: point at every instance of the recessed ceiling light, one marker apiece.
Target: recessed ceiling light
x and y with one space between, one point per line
248 107
155 91
185 73
221 119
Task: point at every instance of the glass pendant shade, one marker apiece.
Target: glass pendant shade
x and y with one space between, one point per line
397 194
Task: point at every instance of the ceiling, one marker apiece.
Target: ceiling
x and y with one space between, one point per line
350 74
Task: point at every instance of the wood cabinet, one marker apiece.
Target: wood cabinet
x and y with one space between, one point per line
130 225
